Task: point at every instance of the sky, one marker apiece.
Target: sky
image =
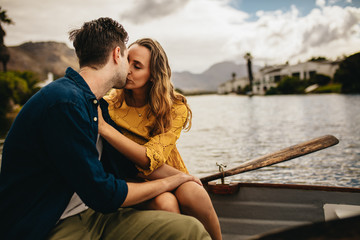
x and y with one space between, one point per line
199 33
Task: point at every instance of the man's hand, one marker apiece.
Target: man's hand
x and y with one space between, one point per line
140 192
166 171
180 178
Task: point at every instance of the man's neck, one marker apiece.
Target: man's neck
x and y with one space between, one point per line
96 80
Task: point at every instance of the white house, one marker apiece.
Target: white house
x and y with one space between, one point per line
45 82
269 76
234 85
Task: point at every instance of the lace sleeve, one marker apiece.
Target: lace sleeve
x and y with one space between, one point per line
159 147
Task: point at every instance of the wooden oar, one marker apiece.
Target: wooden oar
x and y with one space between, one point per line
277 157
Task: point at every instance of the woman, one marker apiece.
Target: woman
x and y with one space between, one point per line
151 116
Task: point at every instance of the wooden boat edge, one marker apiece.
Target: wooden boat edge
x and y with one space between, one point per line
299 186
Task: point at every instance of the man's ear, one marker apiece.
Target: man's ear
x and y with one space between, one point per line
116 53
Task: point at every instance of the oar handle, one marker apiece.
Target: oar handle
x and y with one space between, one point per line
285 154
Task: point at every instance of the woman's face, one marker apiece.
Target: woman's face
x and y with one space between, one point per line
139 70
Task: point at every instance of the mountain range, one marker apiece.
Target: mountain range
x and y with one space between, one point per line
210 79
55 57
42 58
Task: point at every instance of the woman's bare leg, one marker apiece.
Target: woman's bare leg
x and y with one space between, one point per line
195 201
165 201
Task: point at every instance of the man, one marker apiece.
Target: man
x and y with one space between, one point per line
52 184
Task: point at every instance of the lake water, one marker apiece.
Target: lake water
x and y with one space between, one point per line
231 129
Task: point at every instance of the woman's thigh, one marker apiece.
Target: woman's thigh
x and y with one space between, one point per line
191 193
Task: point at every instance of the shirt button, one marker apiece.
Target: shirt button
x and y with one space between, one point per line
95 101
95 119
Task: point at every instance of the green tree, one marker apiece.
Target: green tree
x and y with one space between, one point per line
291 85
5 95
16 87
4 52
319 79
248 59
348 74
32 79
317 59
246 89
272 91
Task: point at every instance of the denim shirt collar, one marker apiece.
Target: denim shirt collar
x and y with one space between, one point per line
75 76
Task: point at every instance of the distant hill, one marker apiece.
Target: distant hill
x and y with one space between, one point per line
42 57
55 57
211 78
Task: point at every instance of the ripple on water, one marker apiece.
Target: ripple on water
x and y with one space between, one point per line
235 129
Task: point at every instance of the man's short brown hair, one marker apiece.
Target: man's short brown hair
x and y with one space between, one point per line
96 39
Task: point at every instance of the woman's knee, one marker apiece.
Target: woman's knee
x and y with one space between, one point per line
191 192
166 202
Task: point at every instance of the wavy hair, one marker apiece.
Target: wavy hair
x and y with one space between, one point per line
162 94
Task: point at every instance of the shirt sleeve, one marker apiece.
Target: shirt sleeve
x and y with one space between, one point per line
159 147
69 142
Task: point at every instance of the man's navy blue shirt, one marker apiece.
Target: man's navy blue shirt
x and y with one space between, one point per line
50 153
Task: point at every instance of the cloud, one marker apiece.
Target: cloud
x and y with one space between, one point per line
330 24
277 37
193 36
198 33
149 10
207 32
320 3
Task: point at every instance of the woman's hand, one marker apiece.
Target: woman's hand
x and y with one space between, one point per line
130 149
166 171
102 125
178 179
197 180
140 192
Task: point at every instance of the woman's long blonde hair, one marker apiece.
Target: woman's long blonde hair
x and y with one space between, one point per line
162 95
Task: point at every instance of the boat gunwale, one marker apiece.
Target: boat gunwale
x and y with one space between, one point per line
300 187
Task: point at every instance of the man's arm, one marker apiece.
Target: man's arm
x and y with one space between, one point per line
70 141
166 171
140 192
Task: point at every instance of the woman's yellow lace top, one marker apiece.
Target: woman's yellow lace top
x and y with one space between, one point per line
160 149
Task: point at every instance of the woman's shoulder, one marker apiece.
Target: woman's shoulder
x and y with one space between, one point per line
113 98
179 108
115 104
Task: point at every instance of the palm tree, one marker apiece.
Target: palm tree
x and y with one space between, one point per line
4 52
248 58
